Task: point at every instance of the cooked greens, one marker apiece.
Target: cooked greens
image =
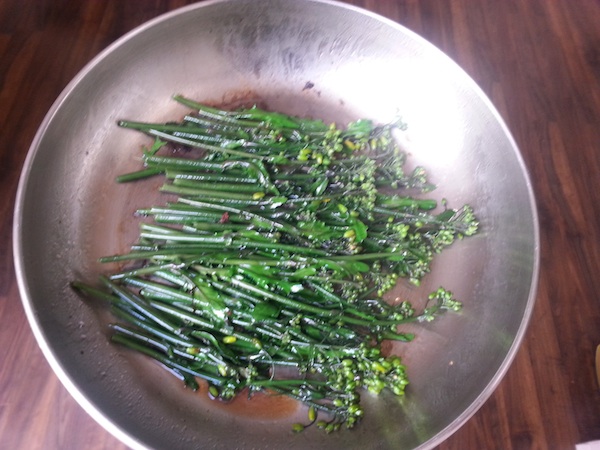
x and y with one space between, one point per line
267 270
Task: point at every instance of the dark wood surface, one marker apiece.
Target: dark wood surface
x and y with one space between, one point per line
539 62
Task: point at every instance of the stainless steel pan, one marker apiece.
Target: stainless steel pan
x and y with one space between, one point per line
314 58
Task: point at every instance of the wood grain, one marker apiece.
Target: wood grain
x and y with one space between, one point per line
539 62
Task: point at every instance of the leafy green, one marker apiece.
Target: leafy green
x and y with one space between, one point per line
284 237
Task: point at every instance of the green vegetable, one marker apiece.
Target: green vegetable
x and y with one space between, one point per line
268 270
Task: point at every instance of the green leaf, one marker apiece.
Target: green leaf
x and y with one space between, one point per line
319 186
156 146
357 266
276 202
316 230
360 230
265 310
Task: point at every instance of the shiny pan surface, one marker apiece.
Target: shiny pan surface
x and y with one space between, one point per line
313 58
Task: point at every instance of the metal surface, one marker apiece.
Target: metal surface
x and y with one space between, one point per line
69 211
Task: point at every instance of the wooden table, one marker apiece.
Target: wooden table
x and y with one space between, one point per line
538 60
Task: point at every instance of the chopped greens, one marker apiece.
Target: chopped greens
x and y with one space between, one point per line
268 268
